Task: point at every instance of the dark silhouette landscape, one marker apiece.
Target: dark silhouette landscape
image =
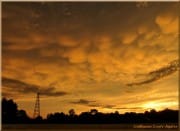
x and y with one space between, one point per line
11 115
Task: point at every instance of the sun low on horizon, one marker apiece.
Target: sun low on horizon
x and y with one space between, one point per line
109 56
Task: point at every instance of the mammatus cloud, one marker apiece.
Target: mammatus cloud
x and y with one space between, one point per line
168 22
22 87
91 51
158 74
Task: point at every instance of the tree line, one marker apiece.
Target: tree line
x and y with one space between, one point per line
11 114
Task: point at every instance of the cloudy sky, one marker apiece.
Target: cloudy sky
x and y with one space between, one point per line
109 56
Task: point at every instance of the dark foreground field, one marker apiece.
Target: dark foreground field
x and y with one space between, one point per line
89 127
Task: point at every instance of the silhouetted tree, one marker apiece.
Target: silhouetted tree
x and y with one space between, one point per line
116 112
22 117
93 111
57 118
72 112
9 111
38 119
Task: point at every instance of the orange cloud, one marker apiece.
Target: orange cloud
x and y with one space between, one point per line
67 41
77 55
129 38
168 23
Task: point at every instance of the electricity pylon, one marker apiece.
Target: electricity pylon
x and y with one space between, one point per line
37 107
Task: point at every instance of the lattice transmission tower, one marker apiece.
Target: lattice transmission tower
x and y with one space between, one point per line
37 107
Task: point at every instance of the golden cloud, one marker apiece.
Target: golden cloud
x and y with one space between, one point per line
67 41
168 23
129 38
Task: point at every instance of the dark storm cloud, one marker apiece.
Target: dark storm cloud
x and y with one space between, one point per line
92 104
7 94
22 87
73 18
124 108
112 107
108 106
41 76
158 74
82 102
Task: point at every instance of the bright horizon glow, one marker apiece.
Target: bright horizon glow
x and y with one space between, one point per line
159 105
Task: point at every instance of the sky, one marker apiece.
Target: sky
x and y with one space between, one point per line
110 56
